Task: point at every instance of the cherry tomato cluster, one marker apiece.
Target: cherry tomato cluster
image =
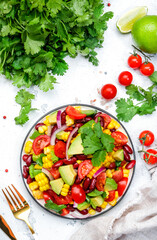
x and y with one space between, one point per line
146 138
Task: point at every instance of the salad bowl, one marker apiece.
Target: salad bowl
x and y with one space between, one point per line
77 161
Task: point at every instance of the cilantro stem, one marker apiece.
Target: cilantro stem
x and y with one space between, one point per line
19 24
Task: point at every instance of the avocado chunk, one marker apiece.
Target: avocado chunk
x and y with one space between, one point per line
68 174
76 146
89 112
119 155
110 184
82 206
97 201
86 125
57 185
53 118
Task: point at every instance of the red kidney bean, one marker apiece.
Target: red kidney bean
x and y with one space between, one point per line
70 160
131 164
92 184
128 148
78 180
126 155
101 121
98 209
54 129
84 120
123 163
70 208
75 165
29 160
68 129
75 134
39 125
88 191
112 130
63 117
97 115
58 164
86 183
25 171
29 179
24 157
83 212
78 125
56 140
81 157
112 165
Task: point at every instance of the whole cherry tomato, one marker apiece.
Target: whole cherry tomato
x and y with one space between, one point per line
108 91
150 156
125 78
134 61
147 69
78 193
60 149
146 137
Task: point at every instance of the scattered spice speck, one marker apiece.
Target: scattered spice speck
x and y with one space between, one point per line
105 73
109 4
92 101
100 72
6 170
99 90
4 117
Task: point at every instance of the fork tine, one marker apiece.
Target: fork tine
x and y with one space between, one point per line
20 196
16 197
10 204
17 207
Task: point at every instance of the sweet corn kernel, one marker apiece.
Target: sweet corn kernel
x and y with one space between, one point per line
66 186
78 108
48 149
126 171
28 147
69 121
64 193
37 194
65 136
113 124
126 175
116 195
104 205
48 164
33 186
92 211
45 159
107 131
37 166
91 173
109 173
44 188
42 129
112 203
78 161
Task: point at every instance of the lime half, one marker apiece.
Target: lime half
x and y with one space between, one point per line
126 21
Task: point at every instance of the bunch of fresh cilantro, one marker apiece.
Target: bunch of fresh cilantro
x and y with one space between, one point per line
36 36
140 101
97 143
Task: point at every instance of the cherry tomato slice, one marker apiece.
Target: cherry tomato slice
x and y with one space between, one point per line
78 194
60 149
107 119
111 196
147 69
134 61
64 212
50 194
55 172
108 91
120 138
84 168
74 113
146 138
125 78
150 159
100 181
122 185
39 143
118 174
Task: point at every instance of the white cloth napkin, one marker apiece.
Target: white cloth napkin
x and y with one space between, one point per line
136 221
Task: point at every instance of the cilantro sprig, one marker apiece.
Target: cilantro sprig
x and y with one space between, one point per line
53 206
97 143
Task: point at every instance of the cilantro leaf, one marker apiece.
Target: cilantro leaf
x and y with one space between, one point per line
153 77
98 158
108 142
91 144
32 46
134 93
53 206
47 82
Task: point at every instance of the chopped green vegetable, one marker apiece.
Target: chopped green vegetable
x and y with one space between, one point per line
35 135
24 98
95 193
33 172
38 159
54 158
96 142
53 206
140 102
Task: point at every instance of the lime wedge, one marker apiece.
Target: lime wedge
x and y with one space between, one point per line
126 21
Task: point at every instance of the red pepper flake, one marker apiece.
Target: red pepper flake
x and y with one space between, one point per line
109 4
4 117
6 170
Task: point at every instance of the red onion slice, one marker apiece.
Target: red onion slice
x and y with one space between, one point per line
49 130
44 170
59 119
100 170
69 139
75 205
78 215
53 137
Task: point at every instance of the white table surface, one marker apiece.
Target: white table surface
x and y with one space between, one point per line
80 84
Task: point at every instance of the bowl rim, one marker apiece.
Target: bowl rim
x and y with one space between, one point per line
53 110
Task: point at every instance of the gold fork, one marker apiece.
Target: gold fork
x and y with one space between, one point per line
20 211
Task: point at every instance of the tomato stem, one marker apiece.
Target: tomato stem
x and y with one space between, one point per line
146 56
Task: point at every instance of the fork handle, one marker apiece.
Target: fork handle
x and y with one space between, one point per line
28 224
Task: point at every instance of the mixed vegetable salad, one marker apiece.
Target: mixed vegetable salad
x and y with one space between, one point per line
77 160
